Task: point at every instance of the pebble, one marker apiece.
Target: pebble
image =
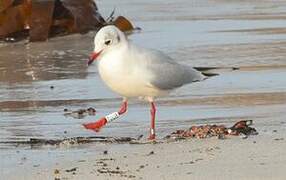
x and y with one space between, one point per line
151 153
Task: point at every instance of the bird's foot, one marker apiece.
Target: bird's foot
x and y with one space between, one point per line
152 135
96 126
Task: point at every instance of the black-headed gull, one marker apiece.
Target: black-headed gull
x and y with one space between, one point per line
132 71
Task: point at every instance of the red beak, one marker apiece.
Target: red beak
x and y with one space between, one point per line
93 57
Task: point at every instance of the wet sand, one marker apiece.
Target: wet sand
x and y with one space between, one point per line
249 35
257 157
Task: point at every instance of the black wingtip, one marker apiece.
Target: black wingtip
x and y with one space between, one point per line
208 71
204 71
209 74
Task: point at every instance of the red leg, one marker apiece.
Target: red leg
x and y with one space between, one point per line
153 114
96 126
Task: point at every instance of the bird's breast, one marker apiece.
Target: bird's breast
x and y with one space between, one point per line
125 79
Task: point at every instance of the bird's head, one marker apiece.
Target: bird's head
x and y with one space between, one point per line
105 39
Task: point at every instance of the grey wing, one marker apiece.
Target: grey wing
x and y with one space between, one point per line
167 74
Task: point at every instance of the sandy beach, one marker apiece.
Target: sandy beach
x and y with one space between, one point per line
257 157
38 81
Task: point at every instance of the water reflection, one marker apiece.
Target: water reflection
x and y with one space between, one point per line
27 70
60 58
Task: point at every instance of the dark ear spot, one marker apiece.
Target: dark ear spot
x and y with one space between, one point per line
107 42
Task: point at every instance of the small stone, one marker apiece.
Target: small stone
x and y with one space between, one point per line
91 111
221 136
81 111
151 153
56 171
139 137
72 170
52 87
66 110
105 152
244 137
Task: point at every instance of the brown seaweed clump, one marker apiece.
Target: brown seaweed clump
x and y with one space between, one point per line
205 131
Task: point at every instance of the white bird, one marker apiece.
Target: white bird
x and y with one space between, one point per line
132 71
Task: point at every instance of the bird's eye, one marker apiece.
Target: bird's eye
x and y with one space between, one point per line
107 42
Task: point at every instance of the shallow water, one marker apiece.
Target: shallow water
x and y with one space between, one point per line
196 33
